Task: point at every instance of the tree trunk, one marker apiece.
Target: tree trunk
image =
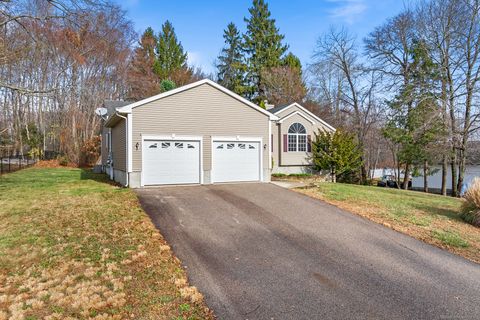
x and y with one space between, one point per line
444 175
461 170
445 138
465 135
453 165
375 163
363 170
333 174
425 176
406 176
398 173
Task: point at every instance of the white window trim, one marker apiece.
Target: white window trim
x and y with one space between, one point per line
172 137
296 135
239 139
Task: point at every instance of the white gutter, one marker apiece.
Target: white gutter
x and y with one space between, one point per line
127 141
270 145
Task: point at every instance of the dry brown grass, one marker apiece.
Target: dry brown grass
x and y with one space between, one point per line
74 247
48 164
471 205
430 218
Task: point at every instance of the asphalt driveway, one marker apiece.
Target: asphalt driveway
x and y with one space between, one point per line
258 251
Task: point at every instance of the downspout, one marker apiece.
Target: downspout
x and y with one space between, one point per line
126 149
270 145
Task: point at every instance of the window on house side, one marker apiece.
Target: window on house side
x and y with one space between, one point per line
297 138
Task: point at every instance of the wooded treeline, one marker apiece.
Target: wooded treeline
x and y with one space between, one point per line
408 91
59 60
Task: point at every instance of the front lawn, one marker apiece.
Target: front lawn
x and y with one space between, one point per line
430 218
73 246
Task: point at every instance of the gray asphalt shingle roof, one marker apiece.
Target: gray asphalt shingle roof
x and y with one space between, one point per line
278 108
111 105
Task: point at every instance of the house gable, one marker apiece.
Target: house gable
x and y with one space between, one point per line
295 107
299 113
130 107
288 115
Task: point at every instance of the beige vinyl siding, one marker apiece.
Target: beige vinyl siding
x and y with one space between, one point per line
295 158
285 112
201 111
119 146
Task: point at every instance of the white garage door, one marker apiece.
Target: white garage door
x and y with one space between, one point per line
171 162
235 161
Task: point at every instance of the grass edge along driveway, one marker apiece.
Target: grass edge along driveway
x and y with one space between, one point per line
73 246
430 218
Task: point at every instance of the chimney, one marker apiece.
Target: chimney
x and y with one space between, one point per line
267 105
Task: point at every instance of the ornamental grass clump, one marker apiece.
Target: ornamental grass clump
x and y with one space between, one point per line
471 205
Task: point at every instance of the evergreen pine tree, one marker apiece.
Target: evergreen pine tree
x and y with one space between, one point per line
263 45
337 152
292 61
416 121
231 67
170 54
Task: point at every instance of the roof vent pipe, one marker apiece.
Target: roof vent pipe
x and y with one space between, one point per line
267 105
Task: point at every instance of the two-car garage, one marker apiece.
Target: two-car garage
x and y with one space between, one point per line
200 133
170 161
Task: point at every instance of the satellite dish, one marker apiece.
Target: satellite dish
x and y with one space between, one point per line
101 112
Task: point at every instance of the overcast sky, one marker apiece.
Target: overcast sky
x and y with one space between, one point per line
199 24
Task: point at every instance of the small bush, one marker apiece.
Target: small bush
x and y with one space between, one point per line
167 85
63 161
471 206
91 151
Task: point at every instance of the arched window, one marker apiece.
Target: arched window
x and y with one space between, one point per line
297 138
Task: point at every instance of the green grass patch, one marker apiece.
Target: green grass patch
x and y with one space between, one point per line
432 218
450 238
398 203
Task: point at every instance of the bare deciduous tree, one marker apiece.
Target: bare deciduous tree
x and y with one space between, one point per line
282 85
356 84
59 61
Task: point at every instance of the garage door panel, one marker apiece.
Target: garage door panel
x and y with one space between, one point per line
235 161
171 162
